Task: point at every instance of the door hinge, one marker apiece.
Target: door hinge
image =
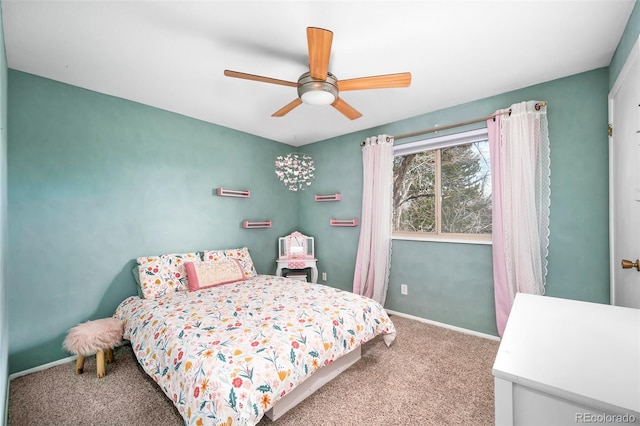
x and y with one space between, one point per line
610 130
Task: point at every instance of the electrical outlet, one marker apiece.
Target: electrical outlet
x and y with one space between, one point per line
324 276
403 289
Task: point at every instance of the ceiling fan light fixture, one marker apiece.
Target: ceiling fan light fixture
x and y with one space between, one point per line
317 92
318 97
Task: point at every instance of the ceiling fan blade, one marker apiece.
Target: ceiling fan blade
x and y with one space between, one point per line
350 112
376 82
319 42
288 107
253 77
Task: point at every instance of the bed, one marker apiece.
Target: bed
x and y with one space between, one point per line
229 354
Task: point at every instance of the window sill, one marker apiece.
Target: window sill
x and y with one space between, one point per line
437 239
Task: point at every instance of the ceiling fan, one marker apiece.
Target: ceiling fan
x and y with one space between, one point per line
318 86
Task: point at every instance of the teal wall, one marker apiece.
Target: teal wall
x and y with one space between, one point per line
96 181
4 317
627 41
102 178
453 283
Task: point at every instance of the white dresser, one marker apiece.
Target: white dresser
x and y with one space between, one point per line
566 362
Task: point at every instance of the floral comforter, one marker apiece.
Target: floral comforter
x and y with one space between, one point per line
225 355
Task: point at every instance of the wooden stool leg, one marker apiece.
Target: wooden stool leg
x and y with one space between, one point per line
100 364
80 364
110 355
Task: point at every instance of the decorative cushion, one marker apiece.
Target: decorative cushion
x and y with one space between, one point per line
164 274
214 273
242 254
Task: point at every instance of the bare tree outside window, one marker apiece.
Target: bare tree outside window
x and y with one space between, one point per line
414 203
443 191
466 189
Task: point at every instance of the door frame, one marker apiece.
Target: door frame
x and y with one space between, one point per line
614 267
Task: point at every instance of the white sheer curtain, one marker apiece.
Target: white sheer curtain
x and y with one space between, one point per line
520 167
373 261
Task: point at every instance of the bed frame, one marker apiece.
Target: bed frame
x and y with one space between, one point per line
313 383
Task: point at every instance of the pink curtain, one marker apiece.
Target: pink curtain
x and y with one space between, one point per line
371 277
520 160
503 298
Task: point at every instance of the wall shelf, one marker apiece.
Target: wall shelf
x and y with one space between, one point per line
344 222
240 193
330 197
247 224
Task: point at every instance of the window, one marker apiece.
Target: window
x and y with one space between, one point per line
442 188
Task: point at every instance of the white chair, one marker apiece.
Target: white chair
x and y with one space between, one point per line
296 252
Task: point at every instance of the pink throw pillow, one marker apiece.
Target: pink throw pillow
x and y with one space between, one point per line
210 274
242 254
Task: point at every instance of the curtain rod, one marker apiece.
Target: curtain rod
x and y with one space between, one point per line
460 124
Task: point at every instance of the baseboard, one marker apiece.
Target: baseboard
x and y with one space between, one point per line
443 325
52 364
42 367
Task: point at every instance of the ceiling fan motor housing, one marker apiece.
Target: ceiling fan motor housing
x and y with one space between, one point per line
317 92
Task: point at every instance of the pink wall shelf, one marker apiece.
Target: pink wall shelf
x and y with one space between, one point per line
256 224
241 193
344 222
330 197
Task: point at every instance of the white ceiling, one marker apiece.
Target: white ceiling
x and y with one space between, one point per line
172 54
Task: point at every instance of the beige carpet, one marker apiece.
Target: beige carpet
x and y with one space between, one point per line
429 376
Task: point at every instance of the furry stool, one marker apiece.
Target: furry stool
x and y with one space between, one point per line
94 337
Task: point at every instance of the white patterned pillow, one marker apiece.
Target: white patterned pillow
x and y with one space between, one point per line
242 254
214 273
164 274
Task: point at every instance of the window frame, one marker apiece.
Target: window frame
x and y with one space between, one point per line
438 143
